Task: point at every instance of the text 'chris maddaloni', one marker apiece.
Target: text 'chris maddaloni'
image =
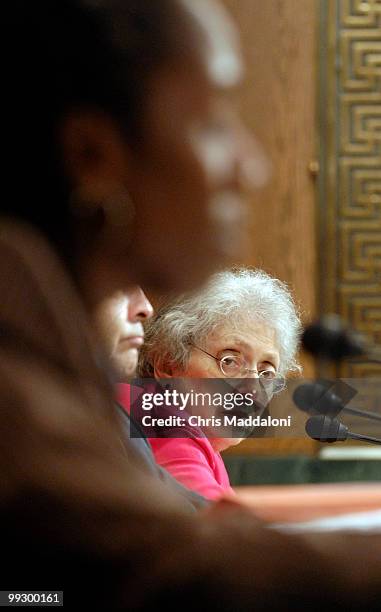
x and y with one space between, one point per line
227 420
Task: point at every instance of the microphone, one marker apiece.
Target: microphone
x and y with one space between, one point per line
325 429
329 338
320 398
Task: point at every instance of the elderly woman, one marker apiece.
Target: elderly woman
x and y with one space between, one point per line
243 324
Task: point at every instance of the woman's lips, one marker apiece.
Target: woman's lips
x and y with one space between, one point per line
133 341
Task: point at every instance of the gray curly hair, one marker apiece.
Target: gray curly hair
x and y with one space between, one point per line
238 296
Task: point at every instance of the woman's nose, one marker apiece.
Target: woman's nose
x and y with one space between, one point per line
140 308
252 373
250 386
253 166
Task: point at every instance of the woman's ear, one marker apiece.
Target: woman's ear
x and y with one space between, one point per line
93 150
97 161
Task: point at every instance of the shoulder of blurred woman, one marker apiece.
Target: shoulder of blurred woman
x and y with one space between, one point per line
39 306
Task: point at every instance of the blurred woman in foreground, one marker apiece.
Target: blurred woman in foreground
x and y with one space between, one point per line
116 109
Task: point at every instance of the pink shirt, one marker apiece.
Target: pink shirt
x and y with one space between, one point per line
194 463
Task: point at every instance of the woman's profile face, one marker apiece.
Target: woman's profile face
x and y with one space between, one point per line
119 322
181 181
186 177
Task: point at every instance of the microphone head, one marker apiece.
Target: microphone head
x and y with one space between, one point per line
329 339
318 398
325 429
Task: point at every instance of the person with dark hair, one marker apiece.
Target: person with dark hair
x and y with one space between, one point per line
125 165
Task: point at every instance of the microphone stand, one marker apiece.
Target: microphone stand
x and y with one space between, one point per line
369 439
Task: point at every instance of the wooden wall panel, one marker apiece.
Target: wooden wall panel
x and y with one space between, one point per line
278 103
350 208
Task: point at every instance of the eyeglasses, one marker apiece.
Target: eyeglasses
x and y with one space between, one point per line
235 366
